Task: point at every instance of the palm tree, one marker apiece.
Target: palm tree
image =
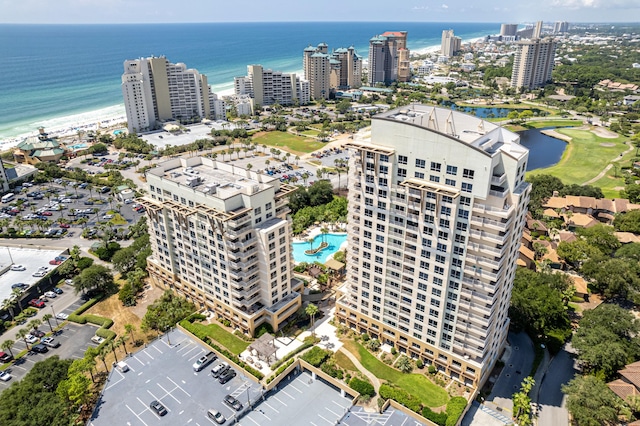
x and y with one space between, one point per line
129 328
22 334
47 318
310 241
34 324
324 232
122 341
312 310
297 159
9 304
249 166
305 177
7 345
103 356
113 346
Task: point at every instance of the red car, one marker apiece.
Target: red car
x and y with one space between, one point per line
36 303
46 213
65 225
55 262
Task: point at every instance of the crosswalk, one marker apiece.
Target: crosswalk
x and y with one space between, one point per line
495 414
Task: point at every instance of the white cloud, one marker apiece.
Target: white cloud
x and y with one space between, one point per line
444 6
595 4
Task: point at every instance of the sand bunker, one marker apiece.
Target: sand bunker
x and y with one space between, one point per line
604 133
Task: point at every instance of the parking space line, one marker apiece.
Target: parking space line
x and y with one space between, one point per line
298 390
262 412
278 399
197 355
268 405
115 383
179 387
332 412
249 418
283 391
326 420
301 381
189 346
136 358
147 354
155 346
169 393
153 396
339 405
134 413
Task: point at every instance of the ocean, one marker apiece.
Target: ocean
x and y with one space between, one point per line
61 76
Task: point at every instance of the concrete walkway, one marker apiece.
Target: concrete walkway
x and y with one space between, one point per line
609 166
373 379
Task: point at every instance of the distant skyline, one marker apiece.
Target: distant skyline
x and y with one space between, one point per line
190 11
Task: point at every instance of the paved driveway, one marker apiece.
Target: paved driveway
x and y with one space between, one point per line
552 410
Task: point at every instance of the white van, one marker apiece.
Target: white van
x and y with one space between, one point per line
8 197
122 367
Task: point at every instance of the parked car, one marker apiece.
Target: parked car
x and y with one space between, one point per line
216 416
97 339
55 262
5 357
39 348
57 290
158 408
4 376
230 374
51 294
204 360
232 402
30 338
39 274
38 333
36 303
51 342
62 316
219 369
122 366
21 286
18 268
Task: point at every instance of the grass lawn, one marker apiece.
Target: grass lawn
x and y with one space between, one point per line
585 156
559 122
222 336
311 133
117 219
294 144
343 361
429 393
613 180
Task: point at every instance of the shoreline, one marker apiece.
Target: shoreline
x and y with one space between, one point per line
111 116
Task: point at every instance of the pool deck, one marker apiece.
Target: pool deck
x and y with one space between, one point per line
314 232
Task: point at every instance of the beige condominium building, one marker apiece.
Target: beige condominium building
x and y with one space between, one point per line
221 237
437 203
533 63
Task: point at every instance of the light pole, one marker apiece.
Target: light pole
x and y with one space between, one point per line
54 316
10 257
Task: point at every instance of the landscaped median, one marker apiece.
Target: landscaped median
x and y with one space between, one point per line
104 323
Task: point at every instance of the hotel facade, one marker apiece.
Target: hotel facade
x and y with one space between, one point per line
267 87
437 203
220 237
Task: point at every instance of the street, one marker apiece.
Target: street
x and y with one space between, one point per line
552 410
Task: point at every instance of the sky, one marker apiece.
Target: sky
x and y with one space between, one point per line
171 11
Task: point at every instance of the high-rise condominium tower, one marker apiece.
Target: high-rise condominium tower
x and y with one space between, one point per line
220 236
329 71
155 89
450 43
533 63
267 87
437 204
385 65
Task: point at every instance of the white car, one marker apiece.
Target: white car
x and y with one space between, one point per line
107 217
97 339
18 268
62 316
39 274
30 338
51 294
4 376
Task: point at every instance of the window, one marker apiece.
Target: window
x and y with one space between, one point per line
452 170
384 158
402 172
433 178
435 167
421 164
446 211
419 175
467 174
450 182
402 159
467 187
465 201
463 214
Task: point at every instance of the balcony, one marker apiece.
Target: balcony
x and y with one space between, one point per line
483 261
481 272
499 239
233 245
481 248
498 179
475 307
238 232
491 210
488 223
239 221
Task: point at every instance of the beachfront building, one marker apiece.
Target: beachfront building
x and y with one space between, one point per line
533 63
385 64
317 70
508 29
327 72
267 87
38 148
220 237
560 27
450 44
346 69
4 179
156 90
437 205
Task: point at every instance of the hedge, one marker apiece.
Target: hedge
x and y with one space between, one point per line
280 370
291 354
362 387
401 396
104 323
438 418
316 356
202 336
455 407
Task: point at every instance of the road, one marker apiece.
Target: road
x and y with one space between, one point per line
552 410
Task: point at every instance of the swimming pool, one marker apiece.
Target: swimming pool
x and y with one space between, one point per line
334 240
78 146
117 132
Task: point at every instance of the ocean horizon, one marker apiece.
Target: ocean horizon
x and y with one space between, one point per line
64 76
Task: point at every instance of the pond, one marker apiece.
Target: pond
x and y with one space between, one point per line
544 151
334 241
485 112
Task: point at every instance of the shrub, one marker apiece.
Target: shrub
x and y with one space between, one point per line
316 356
419 363
437 418
305 345
365 337
265 327
401 396
84 263
126 295
362 387
373 345
196 317
432 369
455 407
280 370
394 351
331 369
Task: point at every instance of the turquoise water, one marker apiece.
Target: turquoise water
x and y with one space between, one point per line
78 146
117 132
334 240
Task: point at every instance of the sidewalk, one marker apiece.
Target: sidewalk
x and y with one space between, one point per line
539 376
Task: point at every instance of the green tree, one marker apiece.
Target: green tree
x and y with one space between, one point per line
166 311
94 277
22 334
628 222
522 402
404 364
576 252
600 236
7 345
312 310
321 192
124 260
591 402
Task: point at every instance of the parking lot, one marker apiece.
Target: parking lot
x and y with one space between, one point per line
29 261
74 339
299 400
391 417
163 371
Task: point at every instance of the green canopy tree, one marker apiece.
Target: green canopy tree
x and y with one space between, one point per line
591 402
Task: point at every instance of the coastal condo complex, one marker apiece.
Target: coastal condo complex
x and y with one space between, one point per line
437 204
388 58
533 61
328 72
450 44
221 238
156 90
267 87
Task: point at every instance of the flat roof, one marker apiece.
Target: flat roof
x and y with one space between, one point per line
31 258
